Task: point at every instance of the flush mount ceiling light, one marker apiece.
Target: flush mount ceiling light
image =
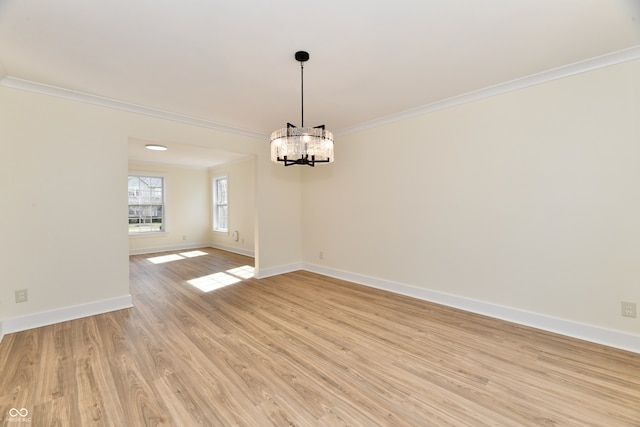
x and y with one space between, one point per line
302 145
155 147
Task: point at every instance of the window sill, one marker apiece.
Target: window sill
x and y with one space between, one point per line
148 234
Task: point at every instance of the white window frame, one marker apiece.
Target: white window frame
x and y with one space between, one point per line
163 203
220 203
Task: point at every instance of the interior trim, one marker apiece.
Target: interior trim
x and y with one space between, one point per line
591 64
16 83
171 248
613 58
262 273
595 334
64 314
233 249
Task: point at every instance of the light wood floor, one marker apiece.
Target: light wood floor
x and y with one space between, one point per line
307 350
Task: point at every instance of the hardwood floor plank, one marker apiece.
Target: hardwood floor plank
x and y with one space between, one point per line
57 412
200 363
301 349
19 375
97 400
307 378
58 377
186 408
140 402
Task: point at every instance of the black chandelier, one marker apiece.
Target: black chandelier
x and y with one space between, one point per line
302 145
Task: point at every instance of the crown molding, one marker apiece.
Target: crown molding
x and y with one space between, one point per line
609 59
16 83
591 64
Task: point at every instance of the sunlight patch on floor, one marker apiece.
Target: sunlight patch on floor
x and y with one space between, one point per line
214 281
219 280
244 272
165 258
192 254
175 257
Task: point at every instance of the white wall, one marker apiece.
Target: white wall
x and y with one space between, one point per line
62 170
242 212
63 226
187 209
528 200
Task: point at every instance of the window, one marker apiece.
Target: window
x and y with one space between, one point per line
146 204
220 207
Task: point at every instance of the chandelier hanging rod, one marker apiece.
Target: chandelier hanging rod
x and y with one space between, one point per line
301 88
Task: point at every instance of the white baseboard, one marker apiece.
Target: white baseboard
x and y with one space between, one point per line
595 334
174 248
64 314
611 338
233 249
155 250
274 271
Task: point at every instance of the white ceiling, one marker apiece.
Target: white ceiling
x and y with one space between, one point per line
180 153
231 62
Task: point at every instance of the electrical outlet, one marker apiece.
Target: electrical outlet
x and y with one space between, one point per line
629 309
321 255
22 295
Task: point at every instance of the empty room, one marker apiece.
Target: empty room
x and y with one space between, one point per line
286 213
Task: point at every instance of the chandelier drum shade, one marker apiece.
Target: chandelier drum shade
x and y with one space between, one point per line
302 145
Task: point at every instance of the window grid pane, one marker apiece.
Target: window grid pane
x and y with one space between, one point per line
146 204
220 216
